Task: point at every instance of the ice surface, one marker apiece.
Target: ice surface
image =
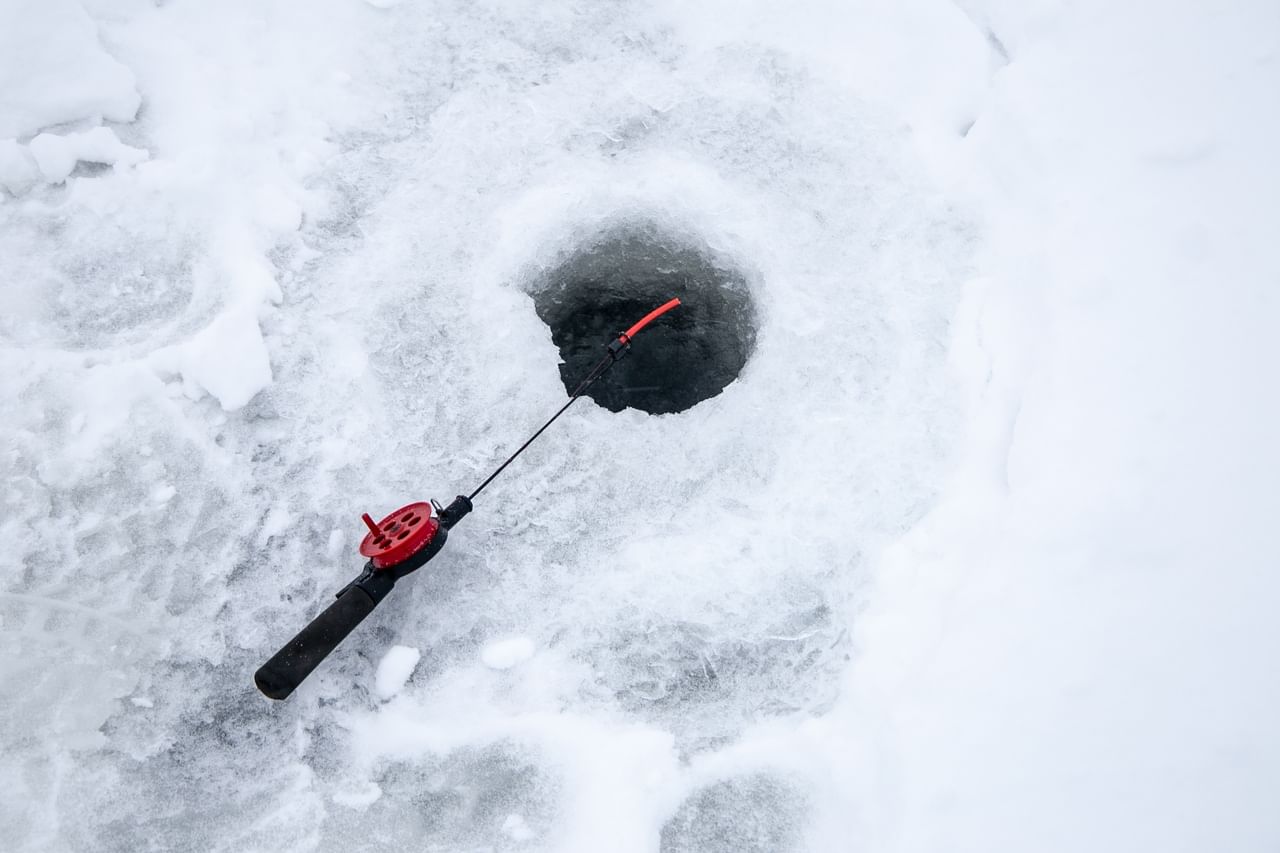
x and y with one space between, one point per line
973 554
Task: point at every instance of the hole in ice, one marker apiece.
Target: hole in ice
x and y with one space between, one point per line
688 356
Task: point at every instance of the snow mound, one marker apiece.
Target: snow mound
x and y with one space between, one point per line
394 670
53 69
228 359
56 156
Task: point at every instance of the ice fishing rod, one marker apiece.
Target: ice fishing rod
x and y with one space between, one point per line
402 543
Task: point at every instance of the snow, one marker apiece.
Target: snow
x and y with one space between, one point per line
1088 605
504 654
18 171
358 799
228 359
54 69
337 541
515 827
56 156
394 670
975 554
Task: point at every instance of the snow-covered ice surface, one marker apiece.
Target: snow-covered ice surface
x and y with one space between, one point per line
977 554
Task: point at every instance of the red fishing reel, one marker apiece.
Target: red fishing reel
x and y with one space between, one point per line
411 535
400 535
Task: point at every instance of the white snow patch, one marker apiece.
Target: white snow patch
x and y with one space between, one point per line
394 670
359 798
53 69
337 541
277 521
507 653
228 359
516 828
276 210
56 155
939 84
18 169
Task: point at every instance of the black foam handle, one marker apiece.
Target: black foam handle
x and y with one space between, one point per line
280 676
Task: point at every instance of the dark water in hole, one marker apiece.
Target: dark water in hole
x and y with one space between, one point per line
685 357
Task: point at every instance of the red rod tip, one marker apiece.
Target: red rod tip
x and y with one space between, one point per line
650 317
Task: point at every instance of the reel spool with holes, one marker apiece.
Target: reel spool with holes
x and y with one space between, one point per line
400 535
